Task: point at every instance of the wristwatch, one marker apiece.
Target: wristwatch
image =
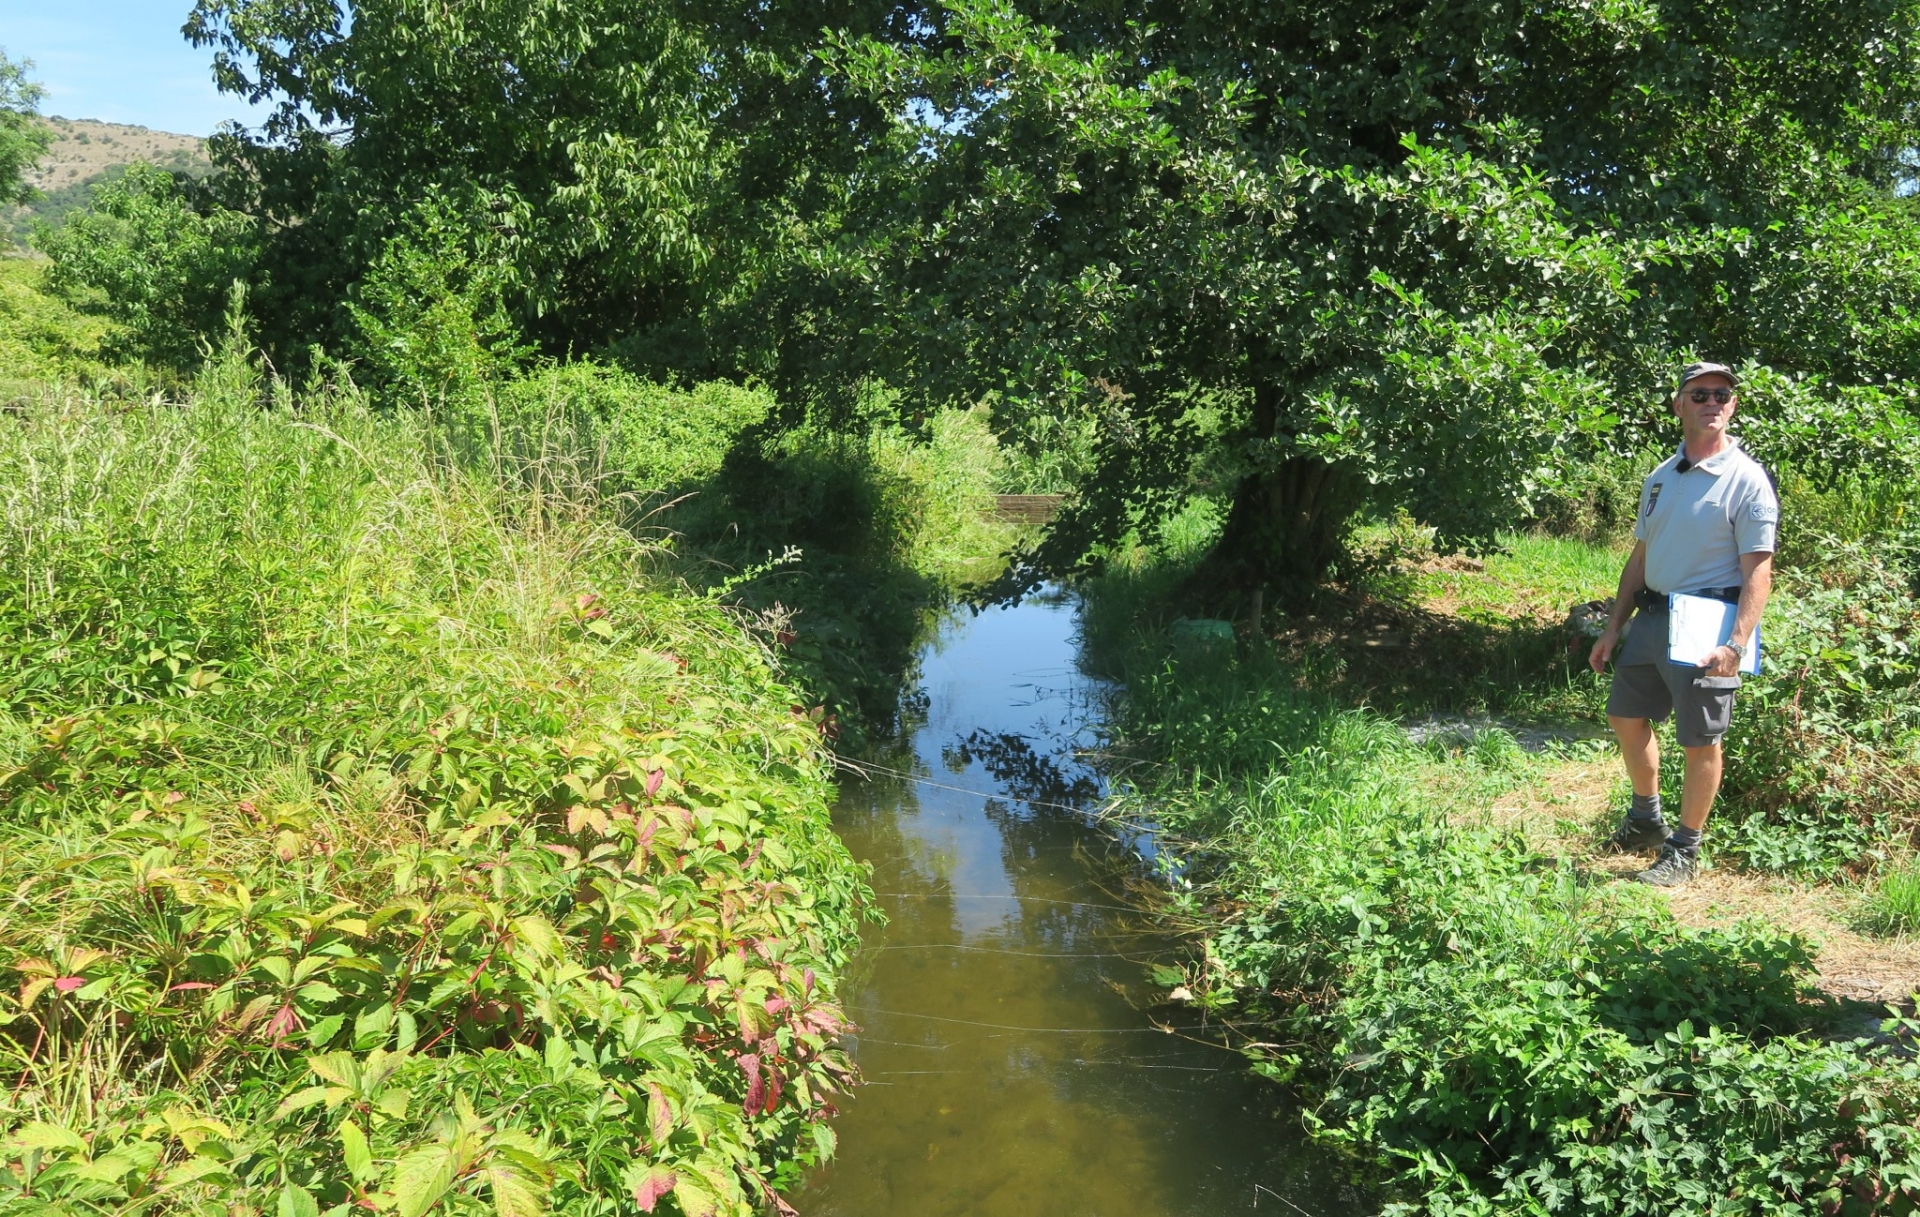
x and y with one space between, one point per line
1740 649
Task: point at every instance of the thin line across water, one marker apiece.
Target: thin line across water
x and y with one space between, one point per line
967 1022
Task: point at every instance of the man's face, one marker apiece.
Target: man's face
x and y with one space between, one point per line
1705 404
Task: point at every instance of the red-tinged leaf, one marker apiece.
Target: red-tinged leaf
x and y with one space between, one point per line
190 984
284 1023
657 1183
756 1086
776 1004
659 1115
807 978
653 781
775 1084
172 797
67 984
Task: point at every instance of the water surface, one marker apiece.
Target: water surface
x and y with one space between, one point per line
1011 1071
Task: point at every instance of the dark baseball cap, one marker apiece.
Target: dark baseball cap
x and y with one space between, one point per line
1695 371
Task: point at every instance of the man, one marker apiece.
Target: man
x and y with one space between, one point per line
1707 523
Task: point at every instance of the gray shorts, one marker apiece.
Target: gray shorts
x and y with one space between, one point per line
1646 685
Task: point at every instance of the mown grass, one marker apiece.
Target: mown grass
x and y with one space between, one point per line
385 831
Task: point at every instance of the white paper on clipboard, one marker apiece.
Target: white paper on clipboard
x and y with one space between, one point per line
1697 625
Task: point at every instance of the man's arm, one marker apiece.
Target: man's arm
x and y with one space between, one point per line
1758 567
1633 577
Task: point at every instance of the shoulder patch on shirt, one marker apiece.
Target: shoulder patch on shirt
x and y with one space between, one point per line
1653 497
1766 513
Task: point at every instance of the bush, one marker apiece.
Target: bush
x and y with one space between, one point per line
649 437
155 260
1825 739
854 530
432 325
1595 500
387 835
41 337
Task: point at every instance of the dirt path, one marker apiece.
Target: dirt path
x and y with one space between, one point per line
1559 815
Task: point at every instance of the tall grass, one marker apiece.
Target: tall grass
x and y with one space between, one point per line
386 831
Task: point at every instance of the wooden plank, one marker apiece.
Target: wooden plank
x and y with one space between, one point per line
1027 508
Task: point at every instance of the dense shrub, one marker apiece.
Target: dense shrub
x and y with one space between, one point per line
41 337
1825 740
383 835
157 260
430 322
858 529
648 437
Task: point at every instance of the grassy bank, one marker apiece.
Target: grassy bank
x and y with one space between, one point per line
1504 1027
383 834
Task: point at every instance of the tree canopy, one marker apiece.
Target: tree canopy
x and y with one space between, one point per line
1338 257
23 137
632 169
1424 247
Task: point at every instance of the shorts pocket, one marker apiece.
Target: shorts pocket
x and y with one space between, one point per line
1717 684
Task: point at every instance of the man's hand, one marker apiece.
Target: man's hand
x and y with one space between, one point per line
1721 661
1603 649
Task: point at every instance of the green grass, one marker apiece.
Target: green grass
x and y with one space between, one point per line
389 832
1893 904
1498 1032
1496 1029
1530 575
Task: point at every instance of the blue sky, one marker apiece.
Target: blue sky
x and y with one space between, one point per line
121 61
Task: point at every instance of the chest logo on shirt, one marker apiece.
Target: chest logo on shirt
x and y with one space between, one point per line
1653 497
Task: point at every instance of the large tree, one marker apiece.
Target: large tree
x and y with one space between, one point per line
619 172
23 137
1422 249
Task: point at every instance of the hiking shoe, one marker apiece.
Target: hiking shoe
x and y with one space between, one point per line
1671 869
1638 836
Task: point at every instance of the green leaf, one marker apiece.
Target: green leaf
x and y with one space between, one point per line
370 1027
354 1151
539 935
694 1200
41 1135
321 1033
300 1100
514 1193
421 1178
297 1201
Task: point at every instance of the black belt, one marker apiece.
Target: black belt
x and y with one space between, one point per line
1650 601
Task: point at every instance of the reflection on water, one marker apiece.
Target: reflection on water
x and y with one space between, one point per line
1009 1071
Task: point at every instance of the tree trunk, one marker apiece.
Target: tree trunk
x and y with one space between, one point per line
1285 528
1283 532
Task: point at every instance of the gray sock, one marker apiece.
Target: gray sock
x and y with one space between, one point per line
1645 807
1686 840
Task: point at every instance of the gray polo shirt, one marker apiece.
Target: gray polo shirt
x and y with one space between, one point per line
1697 523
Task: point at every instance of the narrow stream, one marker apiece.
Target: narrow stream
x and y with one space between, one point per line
1010 1071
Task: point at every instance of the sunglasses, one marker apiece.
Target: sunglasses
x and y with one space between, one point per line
1722 396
